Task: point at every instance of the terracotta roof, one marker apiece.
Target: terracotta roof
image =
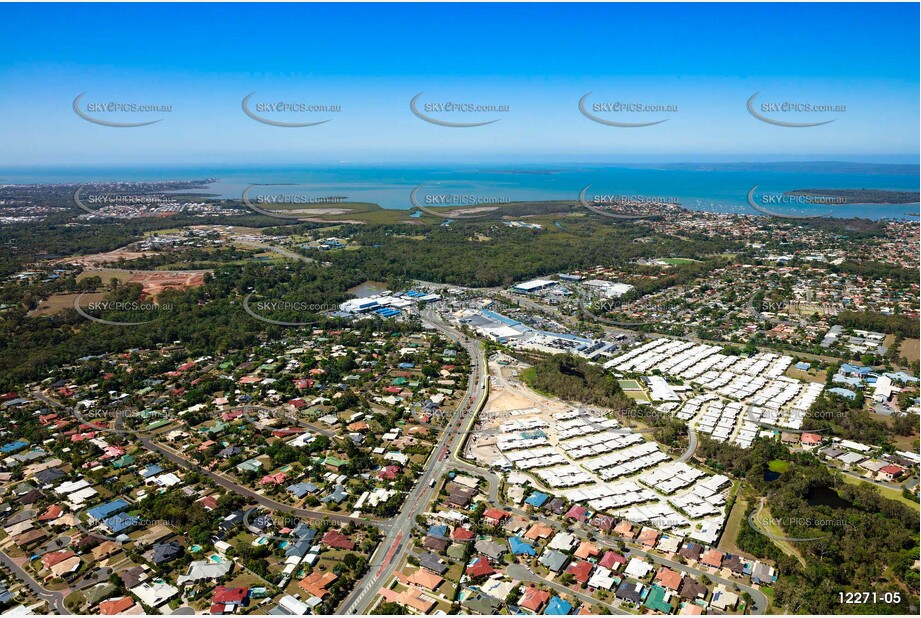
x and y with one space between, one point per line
411 597
691 609
533 599
648 536
611 559
538 531
668 578
581 570
209 502
316 583
587 550
337 540
426 579
113 607
54 511
713 558
480 567
624 528
462 534
496 514
52 558
226 595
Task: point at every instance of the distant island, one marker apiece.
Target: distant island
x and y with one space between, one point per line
810 167
863 196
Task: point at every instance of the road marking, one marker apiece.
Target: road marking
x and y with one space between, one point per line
389 556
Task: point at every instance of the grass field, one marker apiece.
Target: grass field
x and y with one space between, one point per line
734 522
637 395
910 349
678 261
106 274
807 376
166 232
886 492
629 385
903 443
58 302
778 465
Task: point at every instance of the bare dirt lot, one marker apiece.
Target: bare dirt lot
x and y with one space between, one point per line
156 281
153 281
101 259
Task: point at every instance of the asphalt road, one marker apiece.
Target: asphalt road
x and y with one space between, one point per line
55 599
523 573
393 549
397 530
398 541
759 599
220 479
231 485
692 445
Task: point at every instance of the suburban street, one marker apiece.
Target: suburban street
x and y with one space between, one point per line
523 573
397 541
632 548
54 598
218 478
397 544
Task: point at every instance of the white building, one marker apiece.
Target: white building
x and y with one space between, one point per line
609 289
535 285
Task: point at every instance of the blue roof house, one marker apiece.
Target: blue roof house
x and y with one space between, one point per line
537 499
520 548
558 607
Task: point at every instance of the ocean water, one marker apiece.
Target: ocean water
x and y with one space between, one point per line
720 189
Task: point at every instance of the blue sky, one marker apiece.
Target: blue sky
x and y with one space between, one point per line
539 60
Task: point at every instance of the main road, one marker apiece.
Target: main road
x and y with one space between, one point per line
397 542
397 531
447 456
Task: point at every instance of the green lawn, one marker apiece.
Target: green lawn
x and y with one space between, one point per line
637 395
778 465
678 261
886 492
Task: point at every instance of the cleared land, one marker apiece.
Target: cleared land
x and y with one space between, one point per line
777 533
106 274
911 349
59 302
101 259
812 375
154 282
733 524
